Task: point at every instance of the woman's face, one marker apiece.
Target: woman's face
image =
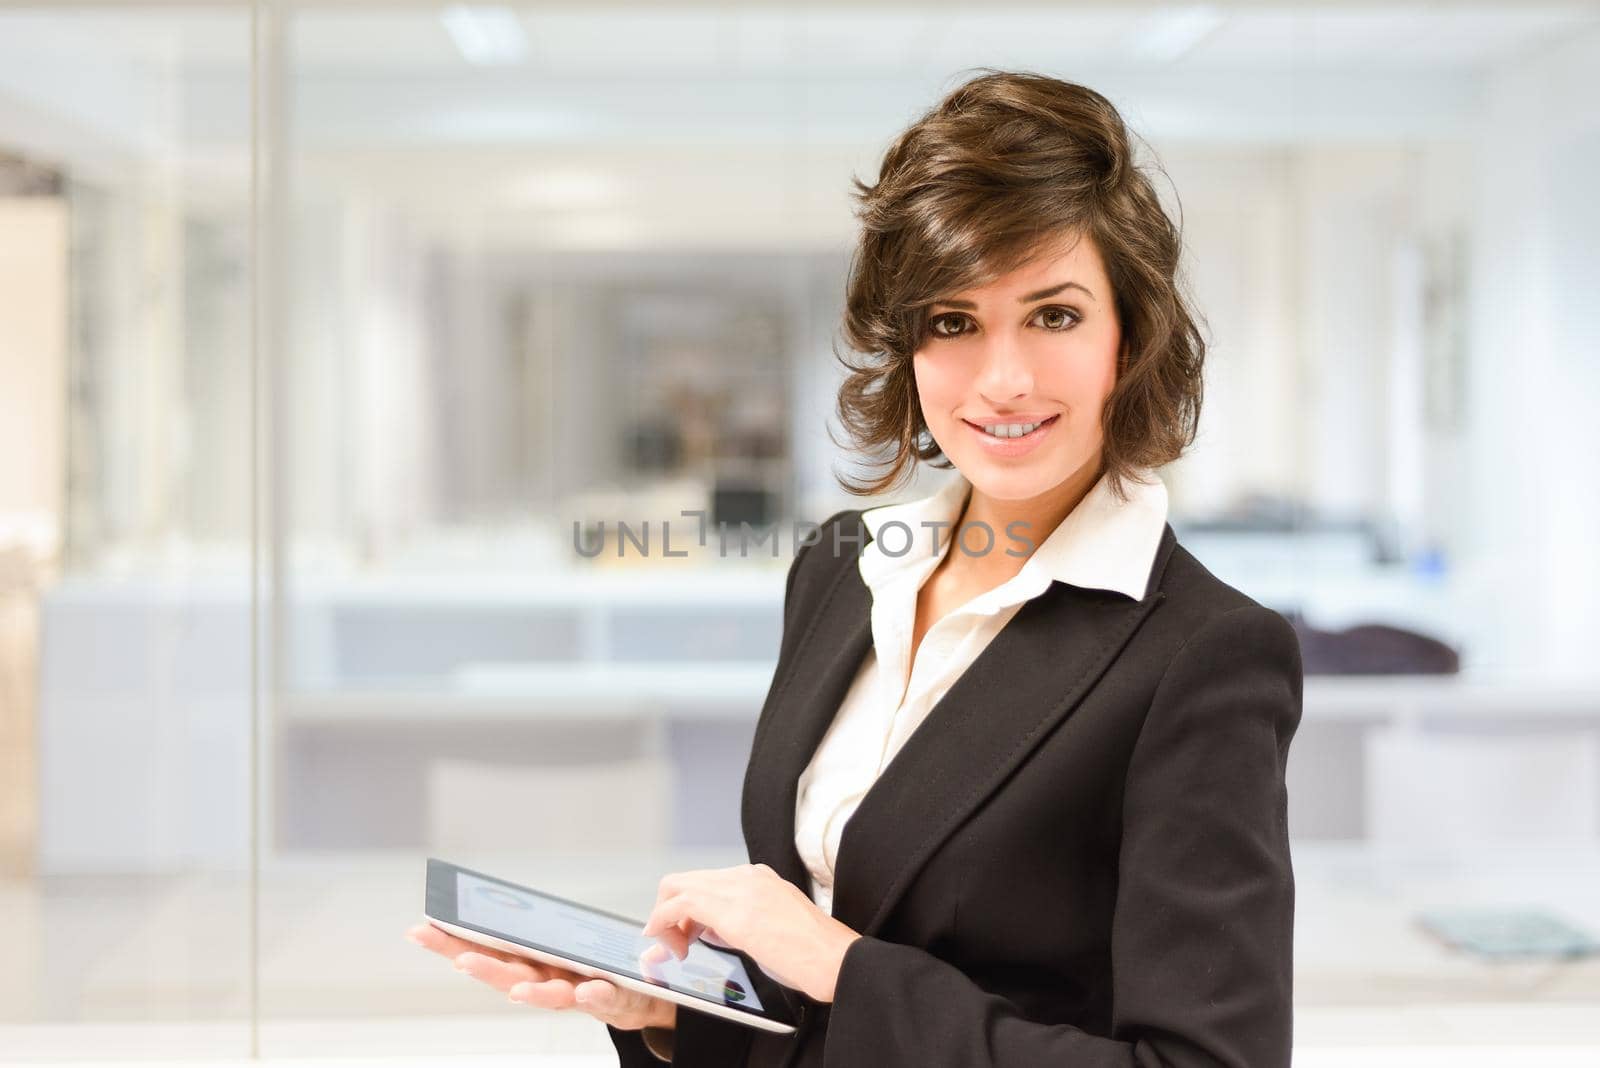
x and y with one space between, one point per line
1033 353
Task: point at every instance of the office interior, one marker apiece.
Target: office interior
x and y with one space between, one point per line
338 339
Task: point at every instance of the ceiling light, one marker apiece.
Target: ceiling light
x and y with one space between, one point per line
485 36
1170 34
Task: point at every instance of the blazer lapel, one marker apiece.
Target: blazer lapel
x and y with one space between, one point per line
797 714
1025 682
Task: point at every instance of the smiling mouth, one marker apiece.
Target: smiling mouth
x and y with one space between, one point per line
1010 431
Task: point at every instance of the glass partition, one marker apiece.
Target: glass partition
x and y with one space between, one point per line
125 532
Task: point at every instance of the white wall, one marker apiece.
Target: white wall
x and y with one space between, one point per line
1535 367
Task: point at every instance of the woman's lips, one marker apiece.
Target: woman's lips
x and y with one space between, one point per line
1009 447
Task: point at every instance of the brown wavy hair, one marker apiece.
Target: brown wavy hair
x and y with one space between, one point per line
1006 165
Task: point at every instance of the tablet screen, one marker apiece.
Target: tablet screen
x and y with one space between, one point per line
542 921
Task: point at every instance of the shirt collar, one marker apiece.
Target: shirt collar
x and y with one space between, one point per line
1104 543
909 546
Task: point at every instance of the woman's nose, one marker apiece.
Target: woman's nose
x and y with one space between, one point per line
1005 372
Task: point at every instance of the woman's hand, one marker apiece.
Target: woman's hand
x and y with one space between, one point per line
754 909
546 986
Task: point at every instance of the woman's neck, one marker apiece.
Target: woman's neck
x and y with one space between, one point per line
1037 517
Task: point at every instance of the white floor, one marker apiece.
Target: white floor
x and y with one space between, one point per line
149 969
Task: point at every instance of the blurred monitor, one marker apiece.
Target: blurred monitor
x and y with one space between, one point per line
735 504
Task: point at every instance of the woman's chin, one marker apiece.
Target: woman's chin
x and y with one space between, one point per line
1014 485
1020 479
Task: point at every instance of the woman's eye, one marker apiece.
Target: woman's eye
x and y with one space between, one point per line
1063 318
934 325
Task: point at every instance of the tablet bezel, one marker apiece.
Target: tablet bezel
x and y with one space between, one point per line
440 911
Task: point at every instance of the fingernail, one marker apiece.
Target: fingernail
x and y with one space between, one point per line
413 939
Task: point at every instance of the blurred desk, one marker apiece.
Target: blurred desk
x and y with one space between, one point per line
144 696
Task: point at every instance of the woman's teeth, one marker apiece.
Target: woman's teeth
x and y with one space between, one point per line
1012 430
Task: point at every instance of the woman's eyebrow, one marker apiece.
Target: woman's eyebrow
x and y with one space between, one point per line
1040 295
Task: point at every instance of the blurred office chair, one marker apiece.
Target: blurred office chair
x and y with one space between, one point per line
1450 791
1371 649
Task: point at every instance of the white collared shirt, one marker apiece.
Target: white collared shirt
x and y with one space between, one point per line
1103 543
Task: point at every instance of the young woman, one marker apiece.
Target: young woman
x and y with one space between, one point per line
1016 795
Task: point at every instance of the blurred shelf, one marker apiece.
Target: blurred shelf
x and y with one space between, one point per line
755 579
577 692
605 584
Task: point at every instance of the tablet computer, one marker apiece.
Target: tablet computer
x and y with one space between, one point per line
602 945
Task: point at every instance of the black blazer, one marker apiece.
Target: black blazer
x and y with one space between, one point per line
1080 858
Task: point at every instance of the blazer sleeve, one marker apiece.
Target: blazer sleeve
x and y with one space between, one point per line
1202 934
644 1048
